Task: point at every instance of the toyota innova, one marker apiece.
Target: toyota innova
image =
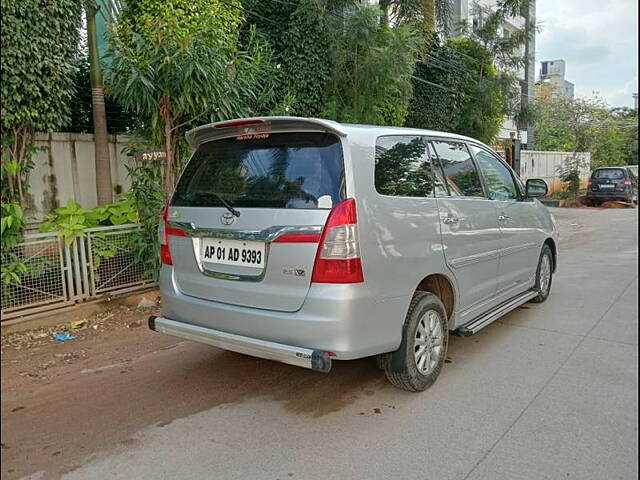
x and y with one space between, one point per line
308 241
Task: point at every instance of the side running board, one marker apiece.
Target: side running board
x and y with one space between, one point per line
479 323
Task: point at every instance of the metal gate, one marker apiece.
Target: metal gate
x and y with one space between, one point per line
103 262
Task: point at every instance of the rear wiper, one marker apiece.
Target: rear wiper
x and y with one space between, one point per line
233 211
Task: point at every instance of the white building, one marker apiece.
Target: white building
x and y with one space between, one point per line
552 72
469 11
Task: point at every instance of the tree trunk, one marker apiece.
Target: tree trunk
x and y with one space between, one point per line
104 186
168 167
165 114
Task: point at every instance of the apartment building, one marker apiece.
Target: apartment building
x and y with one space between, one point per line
470 12
553 72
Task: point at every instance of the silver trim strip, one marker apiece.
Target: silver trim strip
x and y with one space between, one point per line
267 235
471 259
475 325
300 357
516 248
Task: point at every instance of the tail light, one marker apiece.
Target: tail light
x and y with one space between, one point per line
590 181
338 255
164 232
627 181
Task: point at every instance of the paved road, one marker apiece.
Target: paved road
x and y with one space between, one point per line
548 392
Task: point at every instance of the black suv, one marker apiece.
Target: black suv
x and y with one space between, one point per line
612 183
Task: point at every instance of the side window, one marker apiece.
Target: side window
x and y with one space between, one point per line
403 167
497 177
458 168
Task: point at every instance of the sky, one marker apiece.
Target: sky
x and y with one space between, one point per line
598 39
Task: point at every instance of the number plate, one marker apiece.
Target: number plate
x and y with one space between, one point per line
607 185
233 252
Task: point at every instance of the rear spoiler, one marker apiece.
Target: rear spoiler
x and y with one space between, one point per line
260 125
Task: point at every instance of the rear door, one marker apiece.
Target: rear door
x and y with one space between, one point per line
469 226
282 186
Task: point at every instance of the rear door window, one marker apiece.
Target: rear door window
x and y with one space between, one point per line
461 175
403 167
609 173
283 170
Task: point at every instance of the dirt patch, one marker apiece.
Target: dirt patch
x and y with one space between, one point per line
65 403
616 204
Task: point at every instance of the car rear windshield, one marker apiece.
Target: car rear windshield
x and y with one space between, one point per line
283 170
610 173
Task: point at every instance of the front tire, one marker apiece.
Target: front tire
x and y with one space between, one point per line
544 274
416 365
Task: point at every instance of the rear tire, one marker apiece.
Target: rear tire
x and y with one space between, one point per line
544 274
416 365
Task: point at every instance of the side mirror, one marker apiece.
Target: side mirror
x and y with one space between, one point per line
536 187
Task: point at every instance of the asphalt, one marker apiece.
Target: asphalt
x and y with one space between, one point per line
548 392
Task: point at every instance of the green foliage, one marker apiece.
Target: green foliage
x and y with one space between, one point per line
178 69
72 219
483 111
587 125
39 45
298 33
431 107
181 18
81 115
146 190
12 223
569 173
466 85
469 95
371 70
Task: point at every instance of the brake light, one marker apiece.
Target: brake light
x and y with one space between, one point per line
338 256
590 181
238 123
627 181
298 238
165 231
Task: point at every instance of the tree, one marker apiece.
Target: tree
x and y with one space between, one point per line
428 16
81 116
298 33
177 65
466 84
437 88
104 186
586 125
457 88
371 69
39 47
484 107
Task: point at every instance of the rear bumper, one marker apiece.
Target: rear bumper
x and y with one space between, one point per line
317 360
344 319
610 195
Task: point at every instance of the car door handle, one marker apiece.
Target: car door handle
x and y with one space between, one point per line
449 219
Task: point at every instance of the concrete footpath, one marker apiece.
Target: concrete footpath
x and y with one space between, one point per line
548 392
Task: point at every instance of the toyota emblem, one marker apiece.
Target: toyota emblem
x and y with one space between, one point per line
227 218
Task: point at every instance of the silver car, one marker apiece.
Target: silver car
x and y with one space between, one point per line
308 241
